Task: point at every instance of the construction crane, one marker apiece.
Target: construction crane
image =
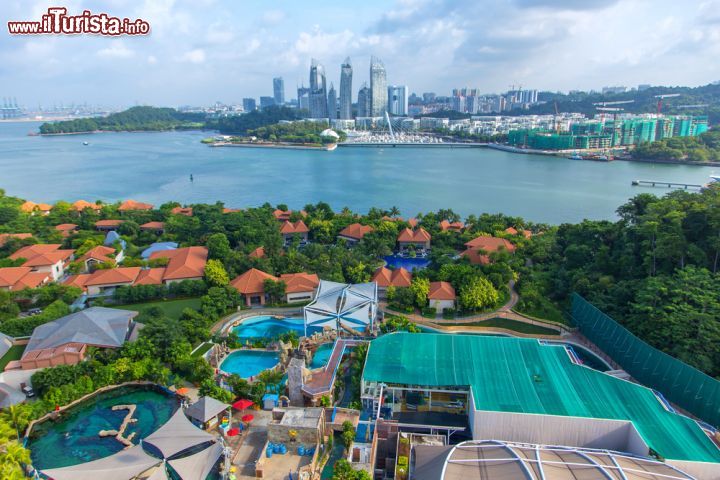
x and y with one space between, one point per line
607 104
615 111
660 99
556 125
700 105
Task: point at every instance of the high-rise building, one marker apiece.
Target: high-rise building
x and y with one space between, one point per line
266 102
303 97
428 97
345 105
279 90
378 88
364 105
318 91
398 100
332 102
249 104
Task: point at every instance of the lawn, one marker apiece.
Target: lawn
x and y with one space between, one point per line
14 353
171 308
202 349
514 325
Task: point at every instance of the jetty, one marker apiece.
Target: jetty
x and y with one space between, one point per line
657 183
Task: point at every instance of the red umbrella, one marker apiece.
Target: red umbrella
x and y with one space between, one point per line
248 418
233 431
242 404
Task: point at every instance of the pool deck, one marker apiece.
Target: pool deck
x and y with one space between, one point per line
225 324
322 380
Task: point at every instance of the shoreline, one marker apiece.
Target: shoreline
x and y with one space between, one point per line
288 146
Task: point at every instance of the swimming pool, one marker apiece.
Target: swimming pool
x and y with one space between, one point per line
74 439
265 326
322 355
408 264
249 363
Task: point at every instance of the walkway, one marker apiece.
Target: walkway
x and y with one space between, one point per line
322 382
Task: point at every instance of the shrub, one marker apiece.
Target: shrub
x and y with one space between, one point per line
429 312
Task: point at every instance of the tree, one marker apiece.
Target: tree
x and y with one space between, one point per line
420 288
275 290
218 246
215 273
477 294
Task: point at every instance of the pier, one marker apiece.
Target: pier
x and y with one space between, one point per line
657 183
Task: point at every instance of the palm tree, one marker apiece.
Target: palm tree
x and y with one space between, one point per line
12 458
394 211
17 416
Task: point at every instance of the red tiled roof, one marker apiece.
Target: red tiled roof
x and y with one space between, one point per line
109 223
113 276
284 215
66 227
31 280
511 231
289 228
150 276
100 253
29 207
128 205
188 262
413 222
4 237
490 244
81 205
9 276
42 254
418 236
257 253
445 225
356 231
385 277
300 282
441 291
475 257
77 280
187 211
153 226
230 210
251 281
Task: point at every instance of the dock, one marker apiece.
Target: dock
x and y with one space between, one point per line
657 183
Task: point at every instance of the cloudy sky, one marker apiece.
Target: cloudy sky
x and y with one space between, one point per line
200 51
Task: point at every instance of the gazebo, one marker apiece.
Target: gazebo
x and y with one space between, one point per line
342 305
206 411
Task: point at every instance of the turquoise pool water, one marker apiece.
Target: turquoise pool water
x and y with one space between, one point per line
322 355
264 326
248 363
74 437
408 264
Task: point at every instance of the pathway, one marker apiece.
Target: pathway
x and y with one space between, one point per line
322 382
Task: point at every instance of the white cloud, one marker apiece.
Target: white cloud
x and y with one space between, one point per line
273 17
116 50
194 56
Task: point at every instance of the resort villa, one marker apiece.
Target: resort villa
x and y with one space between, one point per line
20 278
81 205
66 229
64 341
446 226
153 227
46 258
384 278
100 254
441 296
183 263
514 231
132 205
290 230
299 287
4 237
259 252
478 249
284 215
354 233
34 208
417 240
107 225
187 211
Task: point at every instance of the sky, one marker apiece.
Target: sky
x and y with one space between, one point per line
202 51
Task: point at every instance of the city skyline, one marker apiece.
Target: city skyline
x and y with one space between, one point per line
200 53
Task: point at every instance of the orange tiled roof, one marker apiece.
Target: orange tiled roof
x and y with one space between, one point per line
187 211
128 205
188 262
300 282
257 253
418 236
445 225
42 254
66 227
31 280
113 276
150 276
4 237
109 223
230 210
490 244
100 253
77 280
441 291
385 277
289 228
251 281
413 222
475 257
9 276
81 205
153 226
356 231
29 207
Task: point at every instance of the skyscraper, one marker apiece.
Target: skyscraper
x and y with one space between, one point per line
303 97
378 88
266 102
279 90
318 91
346 90
332 102
249 104
364 105
398 100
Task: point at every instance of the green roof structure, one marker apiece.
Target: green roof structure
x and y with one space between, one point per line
524 376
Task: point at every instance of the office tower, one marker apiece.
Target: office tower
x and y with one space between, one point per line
332 102
266 102
249 104
428 97
364 104
318 91
279 90
346 90
398 100
378 88
303 98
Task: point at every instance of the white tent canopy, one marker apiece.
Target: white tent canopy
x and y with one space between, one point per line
123 465
176 435
159 474
199 465
342 305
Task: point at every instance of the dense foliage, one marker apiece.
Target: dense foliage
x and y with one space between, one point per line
242 124
296 132
703 148
132 119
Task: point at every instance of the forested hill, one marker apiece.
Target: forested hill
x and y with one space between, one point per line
132 119
242 124
644 101
656 270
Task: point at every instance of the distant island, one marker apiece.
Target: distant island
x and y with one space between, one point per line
307 134
131 120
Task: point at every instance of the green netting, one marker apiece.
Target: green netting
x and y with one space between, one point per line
680 383
524 376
